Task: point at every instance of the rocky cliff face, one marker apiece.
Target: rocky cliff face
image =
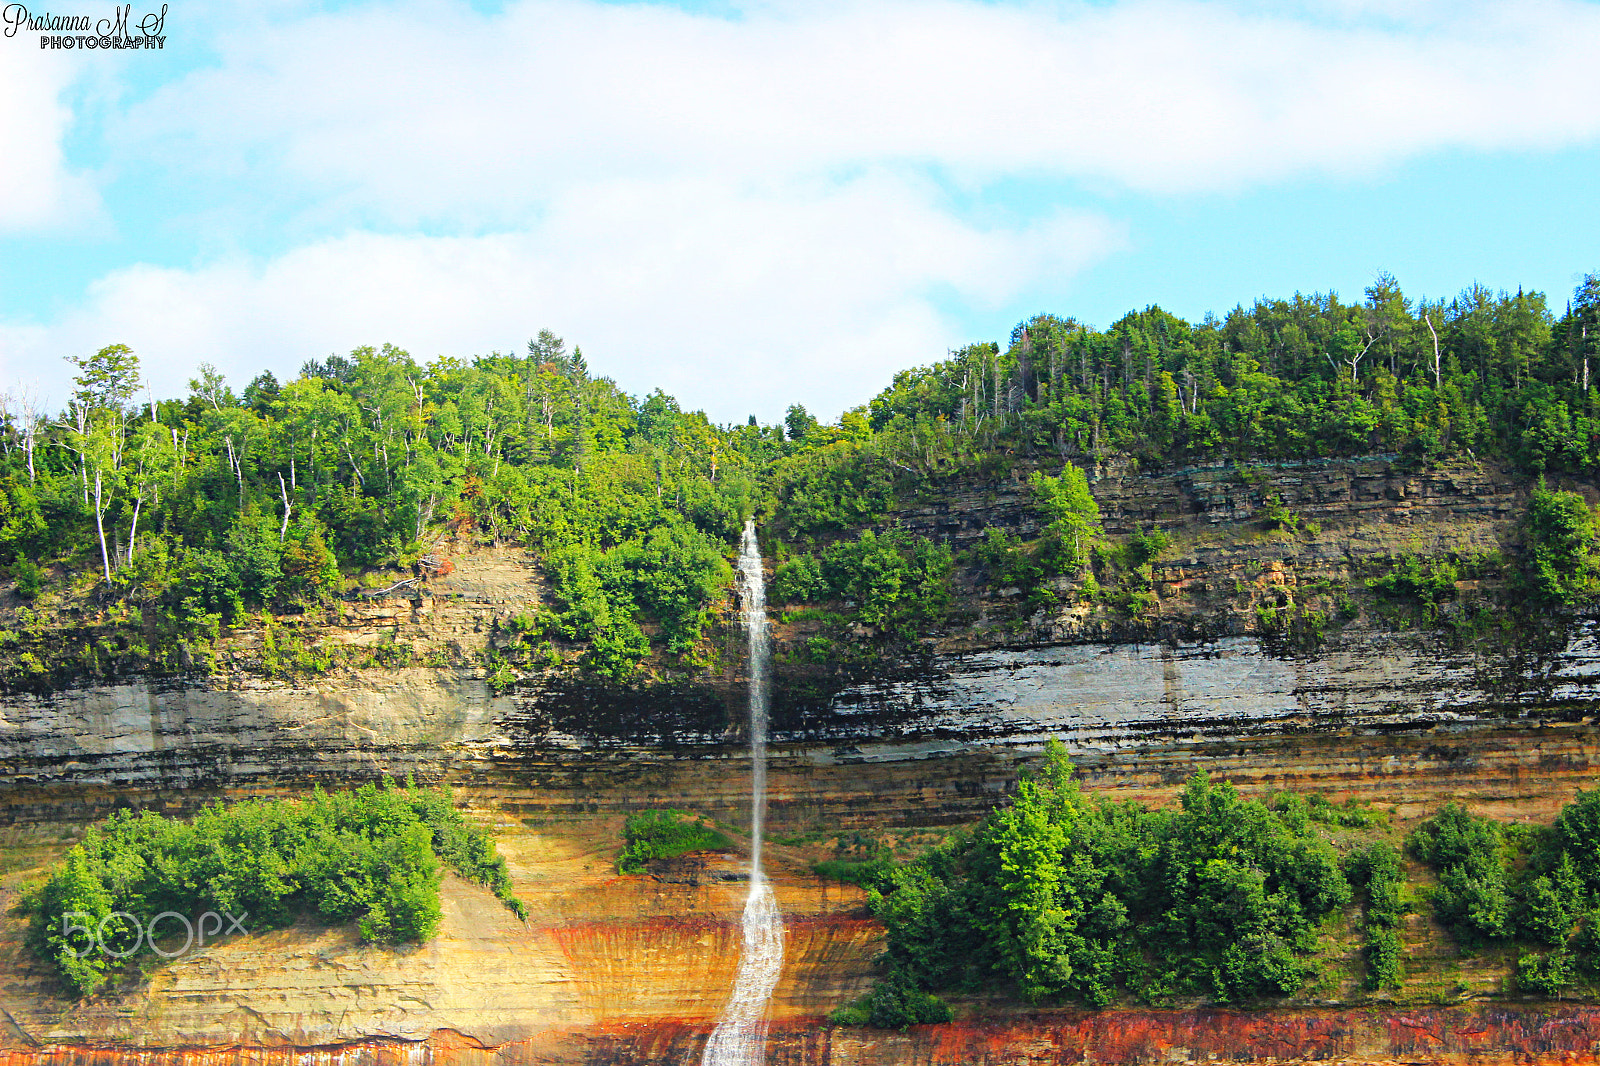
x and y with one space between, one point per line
633 969
613 970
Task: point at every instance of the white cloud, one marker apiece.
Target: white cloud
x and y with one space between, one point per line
427 110
739 301
738 209
37 190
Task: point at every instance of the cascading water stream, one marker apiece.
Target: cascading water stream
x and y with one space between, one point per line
740 1038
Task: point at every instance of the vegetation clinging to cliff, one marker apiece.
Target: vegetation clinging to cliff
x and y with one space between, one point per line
194 511
371 856
1559 564
895 581
1538 886
1378 872
661 835
1057 895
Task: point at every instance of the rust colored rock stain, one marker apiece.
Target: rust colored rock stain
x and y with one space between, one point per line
1481 1036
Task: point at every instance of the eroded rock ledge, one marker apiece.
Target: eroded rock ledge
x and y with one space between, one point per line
1443 1036
618 970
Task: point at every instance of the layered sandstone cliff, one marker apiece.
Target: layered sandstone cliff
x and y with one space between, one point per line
615 969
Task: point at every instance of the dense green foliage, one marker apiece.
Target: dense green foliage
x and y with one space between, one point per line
1539 888
1378 872
371 856
1473 900
661 835
1071 515
194 512
893 1003
1055 897
895 581
1559 530
878 873
1305 377
1058 896
197 512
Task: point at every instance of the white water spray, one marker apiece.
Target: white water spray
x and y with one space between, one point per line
740 1038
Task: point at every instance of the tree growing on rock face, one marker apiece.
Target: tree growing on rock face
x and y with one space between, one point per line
106 383
1072 514
1559 540
1583 332
1059 895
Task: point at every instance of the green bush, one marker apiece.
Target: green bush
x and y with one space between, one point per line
1275 514
799 581
661 835
893 1003
1056 895
1378 871
1550 904
1006 560
897 580
1559 538
868 873
29 576
1488 893
1146 545
371 856
1576 834
1473 900
1429 581
1586 945
1546 973
670 574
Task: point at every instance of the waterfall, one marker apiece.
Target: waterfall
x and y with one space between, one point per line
740 1038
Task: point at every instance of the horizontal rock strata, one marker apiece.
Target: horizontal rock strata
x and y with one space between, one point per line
613 970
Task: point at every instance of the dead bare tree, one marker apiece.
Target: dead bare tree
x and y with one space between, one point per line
1428 318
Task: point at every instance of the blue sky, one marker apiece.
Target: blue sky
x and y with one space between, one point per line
754 205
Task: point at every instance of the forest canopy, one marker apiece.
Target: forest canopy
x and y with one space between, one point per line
198 510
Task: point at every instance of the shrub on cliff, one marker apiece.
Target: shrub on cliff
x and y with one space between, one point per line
1059 896
895 581
661 835
371 856
1072 517
1546 973
1378 871
1473 900
893 1003
1559 540
1488 893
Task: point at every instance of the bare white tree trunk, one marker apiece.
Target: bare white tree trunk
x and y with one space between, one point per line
30 431
133 529
99 524
1355 360
283 530
1429 320
353 464
238 467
